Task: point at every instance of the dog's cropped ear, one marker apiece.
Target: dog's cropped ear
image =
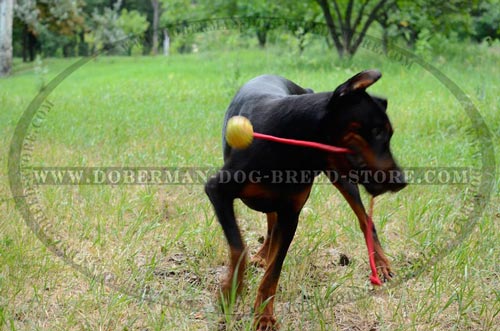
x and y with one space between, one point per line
358 82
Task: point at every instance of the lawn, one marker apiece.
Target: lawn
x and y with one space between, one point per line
150 257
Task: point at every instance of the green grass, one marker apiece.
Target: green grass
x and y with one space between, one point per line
163 242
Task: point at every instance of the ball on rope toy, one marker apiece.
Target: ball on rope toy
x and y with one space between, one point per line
239 132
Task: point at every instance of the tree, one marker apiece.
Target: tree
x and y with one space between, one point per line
6 19
156 19
260 9
385 20
346 30
486 20
411 19
133 24
298 13
91 7
62 20
177 12
27 12
57 21
106 30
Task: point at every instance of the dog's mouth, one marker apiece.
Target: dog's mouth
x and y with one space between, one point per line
390 181
376 180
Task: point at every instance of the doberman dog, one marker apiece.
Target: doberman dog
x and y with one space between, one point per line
260 175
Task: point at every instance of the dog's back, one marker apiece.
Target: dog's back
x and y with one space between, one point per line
270 86
258 96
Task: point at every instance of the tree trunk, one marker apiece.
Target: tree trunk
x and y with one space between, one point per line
344 29
69 47
25 43
6 21
371 18
166 43
29 45
156 17
262 37
331 26
83 47
32 45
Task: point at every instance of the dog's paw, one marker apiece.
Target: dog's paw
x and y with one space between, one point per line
258 261
384 267
227 290
266 323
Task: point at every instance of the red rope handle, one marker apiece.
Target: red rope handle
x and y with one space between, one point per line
303 143
374 279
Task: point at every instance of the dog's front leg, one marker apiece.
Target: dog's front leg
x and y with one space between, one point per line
350 192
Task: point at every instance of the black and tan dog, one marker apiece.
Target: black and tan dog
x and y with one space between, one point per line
260 175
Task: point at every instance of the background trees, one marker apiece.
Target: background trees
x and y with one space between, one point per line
349 25
64 28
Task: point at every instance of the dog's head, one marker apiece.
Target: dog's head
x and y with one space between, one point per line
359 121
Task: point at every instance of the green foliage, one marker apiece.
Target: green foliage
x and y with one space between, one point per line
423 46
132 23
177 11
408 18
52 25
51 43
106 29
295 12
487 20
63 17
27 12
74 27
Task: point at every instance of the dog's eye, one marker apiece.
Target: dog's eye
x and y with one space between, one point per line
378 133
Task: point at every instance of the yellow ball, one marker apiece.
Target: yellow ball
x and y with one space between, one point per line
239 132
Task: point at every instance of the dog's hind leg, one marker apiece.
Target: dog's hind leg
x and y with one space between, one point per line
261 257
281 237
221 194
